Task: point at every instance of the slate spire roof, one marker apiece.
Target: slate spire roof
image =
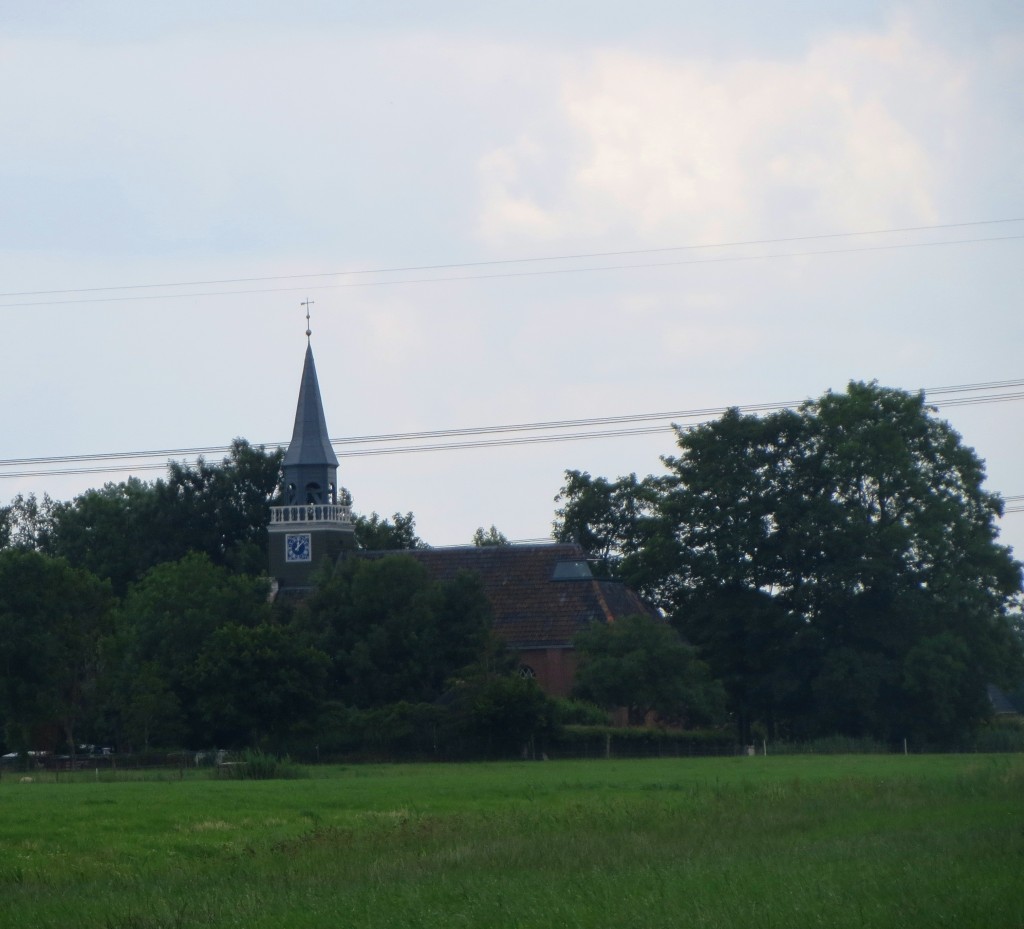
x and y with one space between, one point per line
310 444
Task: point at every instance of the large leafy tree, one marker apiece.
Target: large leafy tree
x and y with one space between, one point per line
838 566
872 531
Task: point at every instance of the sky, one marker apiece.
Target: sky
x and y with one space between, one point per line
602 209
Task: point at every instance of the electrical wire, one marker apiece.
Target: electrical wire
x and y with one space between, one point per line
512 274
506 261
474 437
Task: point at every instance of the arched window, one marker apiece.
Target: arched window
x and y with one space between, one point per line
313 493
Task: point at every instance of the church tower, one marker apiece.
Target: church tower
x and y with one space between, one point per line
311 525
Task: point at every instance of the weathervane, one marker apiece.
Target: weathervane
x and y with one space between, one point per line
307 303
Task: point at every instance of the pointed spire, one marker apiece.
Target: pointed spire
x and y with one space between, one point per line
310 444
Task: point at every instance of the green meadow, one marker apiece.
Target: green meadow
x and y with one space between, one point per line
789 842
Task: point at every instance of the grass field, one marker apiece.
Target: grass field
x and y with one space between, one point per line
738 842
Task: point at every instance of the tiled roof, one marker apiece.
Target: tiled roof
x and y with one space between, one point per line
531 609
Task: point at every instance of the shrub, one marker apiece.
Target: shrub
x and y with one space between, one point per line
579 713
1000 736
828 745
254 765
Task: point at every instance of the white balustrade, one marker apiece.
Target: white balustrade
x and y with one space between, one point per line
317 513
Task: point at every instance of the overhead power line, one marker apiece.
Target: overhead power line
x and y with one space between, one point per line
498 262
475 437
506 261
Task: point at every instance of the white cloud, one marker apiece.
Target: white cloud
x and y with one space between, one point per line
850 136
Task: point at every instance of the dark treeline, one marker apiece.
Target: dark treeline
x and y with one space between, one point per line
138 616
836 566
832 570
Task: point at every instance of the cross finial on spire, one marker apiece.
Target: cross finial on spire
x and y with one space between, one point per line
307 303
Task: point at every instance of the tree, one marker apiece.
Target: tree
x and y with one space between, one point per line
110 532
53 619
822 559
257 685
27 523
166 623
640 662
498 714
220 510
490 536
376 534
612 521
122 530
391 631
863 521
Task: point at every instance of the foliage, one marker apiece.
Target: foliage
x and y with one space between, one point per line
164 686
376 534
837 565
483 537
612 520
1000 735
53 619
255 765
111 532
579 713
256 685
193 654
604 741
401 730
826 745
393 633
641 663
27 523
220 510
122 530
494 712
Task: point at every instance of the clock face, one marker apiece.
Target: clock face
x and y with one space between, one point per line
298 547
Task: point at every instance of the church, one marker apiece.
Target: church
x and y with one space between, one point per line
541 596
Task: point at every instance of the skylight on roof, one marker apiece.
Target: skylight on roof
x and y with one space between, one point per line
571 571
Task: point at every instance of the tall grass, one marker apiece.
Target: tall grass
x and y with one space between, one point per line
254 765
798 841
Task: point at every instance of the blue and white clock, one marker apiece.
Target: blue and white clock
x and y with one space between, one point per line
298 547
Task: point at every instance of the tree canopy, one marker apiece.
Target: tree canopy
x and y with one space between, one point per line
375 533
392 632
641 663
53 619
836 565
493 536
